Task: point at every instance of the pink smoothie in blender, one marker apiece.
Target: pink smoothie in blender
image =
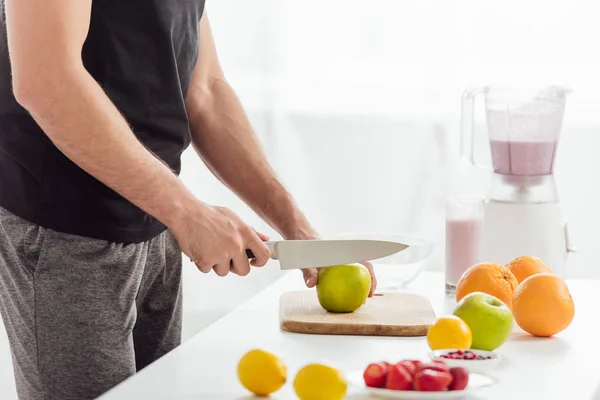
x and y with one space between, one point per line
524 137
523 157
522 214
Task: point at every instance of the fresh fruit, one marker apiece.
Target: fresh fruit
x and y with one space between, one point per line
416 363
261 372
375 375
432 376
409 366
490 320
343 288
449 332
435 366
428 380
460 378
523 267
320 382
398 378
543 305
490 278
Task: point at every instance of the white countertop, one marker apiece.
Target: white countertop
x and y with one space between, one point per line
564 367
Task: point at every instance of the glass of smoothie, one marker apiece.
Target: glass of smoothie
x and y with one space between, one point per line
464 237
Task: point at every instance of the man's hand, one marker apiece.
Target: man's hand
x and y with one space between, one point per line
223 137
216 239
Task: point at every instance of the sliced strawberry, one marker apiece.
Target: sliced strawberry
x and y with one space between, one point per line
398 378
375 375
416 363
428 380
387 364
460 378
409 366
435 366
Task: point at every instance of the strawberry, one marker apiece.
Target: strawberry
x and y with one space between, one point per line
435 366
428 380
387 364
408 366
460 378
398 378
416 363
375 375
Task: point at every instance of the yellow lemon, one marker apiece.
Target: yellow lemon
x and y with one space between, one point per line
320 382
261 372
449 332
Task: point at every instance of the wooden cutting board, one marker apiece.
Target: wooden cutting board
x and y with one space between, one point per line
385 314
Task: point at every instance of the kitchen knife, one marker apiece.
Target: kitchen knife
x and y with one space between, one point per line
298 254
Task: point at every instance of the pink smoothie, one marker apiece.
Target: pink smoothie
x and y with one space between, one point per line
523 158
464 243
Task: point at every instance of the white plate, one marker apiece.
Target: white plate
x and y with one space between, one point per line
476 382
480 366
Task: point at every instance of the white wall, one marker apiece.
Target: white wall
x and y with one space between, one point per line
357 104
347 82
406 57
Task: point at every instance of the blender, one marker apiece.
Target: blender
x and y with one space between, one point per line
522 214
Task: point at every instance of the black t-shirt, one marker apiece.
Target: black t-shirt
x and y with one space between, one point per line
142 53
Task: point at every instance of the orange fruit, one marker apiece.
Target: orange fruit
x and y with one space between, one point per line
489 278
449 332
523 267
542 305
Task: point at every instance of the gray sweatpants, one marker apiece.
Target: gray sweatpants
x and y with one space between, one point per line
82 314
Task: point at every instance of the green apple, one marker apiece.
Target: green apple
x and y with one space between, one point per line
490 320
343 288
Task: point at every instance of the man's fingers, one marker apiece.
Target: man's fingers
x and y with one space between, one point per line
222 269
261 251
311 276
240 265
373 277
262 236
205 269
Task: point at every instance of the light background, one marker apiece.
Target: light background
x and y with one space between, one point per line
357 105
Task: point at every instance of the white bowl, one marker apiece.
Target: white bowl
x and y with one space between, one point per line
476 382
479 366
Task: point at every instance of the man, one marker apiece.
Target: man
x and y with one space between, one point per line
98 101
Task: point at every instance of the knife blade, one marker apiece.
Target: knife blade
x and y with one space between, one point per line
299 254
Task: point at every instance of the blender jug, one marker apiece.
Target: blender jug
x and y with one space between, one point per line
523 126
522 213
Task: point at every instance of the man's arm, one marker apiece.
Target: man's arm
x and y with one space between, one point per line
45 39
223 137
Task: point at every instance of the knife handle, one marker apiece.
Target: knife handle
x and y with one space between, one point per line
270 245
